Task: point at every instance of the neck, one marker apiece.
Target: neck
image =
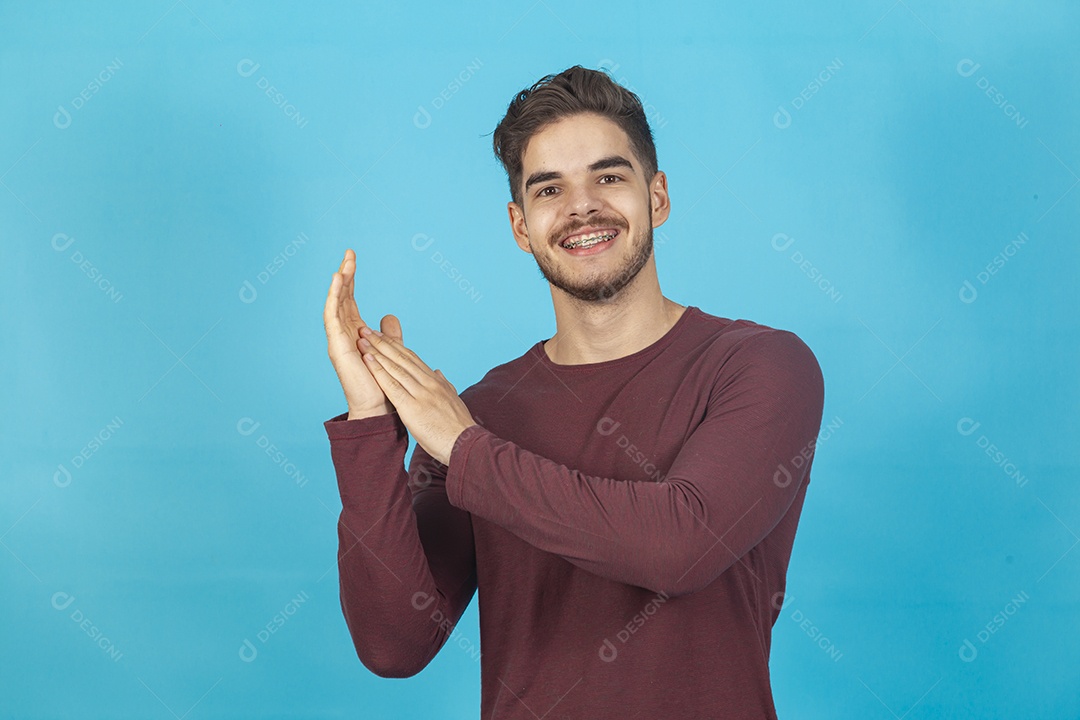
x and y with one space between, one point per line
591 332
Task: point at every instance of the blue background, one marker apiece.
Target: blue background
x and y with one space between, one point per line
168 231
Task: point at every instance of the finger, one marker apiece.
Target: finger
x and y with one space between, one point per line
344 291
330 314
386 375
350 274
400 367
443 378
400 354
391 326
333 315
352 312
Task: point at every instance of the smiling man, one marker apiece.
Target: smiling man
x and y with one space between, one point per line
623 497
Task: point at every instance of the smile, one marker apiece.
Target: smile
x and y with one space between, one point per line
588 240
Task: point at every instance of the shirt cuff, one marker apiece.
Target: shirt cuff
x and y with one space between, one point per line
459 457
340 427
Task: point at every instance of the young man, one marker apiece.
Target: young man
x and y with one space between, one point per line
623 497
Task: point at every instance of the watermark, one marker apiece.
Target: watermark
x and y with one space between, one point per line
61 242
783 477
608 650
248 651
968 67
63 118
782 118
422 118
610 290
247 67
966 426
425 475
248 292
422 601
426 472
62 601
780 600
968 292
968 651
652 114
607 426
62 476
421 242
246 427
781 242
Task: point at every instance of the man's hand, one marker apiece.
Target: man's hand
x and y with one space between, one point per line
426 402
343 323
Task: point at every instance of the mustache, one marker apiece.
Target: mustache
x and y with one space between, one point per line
597 222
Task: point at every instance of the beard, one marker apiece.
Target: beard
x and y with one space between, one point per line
599 287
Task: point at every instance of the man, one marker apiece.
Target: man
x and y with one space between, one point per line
623 497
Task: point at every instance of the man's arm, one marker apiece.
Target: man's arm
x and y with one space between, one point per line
406 557
731 483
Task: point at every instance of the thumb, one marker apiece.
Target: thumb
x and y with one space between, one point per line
391 326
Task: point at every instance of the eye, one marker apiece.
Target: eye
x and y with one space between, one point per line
611 176
544 190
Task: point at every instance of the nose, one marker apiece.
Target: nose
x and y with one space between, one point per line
582 201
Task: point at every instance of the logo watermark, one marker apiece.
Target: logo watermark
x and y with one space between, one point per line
422 601
968 67
248 652
248 292
967 426
607 426
652 114
62 601
608 651
780 600
422 119
968 292
61 242
62 118
247 67
968 650
781 242
62 476
421 242
246 427
783 477
782 117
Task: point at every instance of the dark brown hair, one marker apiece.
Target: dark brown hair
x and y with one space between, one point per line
575 90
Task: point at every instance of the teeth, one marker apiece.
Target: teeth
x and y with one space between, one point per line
588 241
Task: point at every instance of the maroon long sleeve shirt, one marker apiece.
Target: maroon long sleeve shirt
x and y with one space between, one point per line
627 524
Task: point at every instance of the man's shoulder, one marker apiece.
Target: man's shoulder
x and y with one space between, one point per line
745 348
745 336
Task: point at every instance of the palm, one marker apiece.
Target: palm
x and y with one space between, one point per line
343 322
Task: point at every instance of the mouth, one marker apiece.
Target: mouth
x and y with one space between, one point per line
589 239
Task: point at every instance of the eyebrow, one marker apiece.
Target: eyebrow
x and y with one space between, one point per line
611 161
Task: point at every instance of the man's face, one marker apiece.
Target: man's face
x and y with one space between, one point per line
580 174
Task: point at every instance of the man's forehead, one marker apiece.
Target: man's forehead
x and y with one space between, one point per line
575 143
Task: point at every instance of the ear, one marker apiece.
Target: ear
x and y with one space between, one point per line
518 227
658 196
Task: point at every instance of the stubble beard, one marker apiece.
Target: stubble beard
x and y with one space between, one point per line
599 289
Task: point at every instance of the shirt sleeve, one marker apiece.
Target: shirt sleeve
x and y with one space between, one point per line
406 558
732 481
